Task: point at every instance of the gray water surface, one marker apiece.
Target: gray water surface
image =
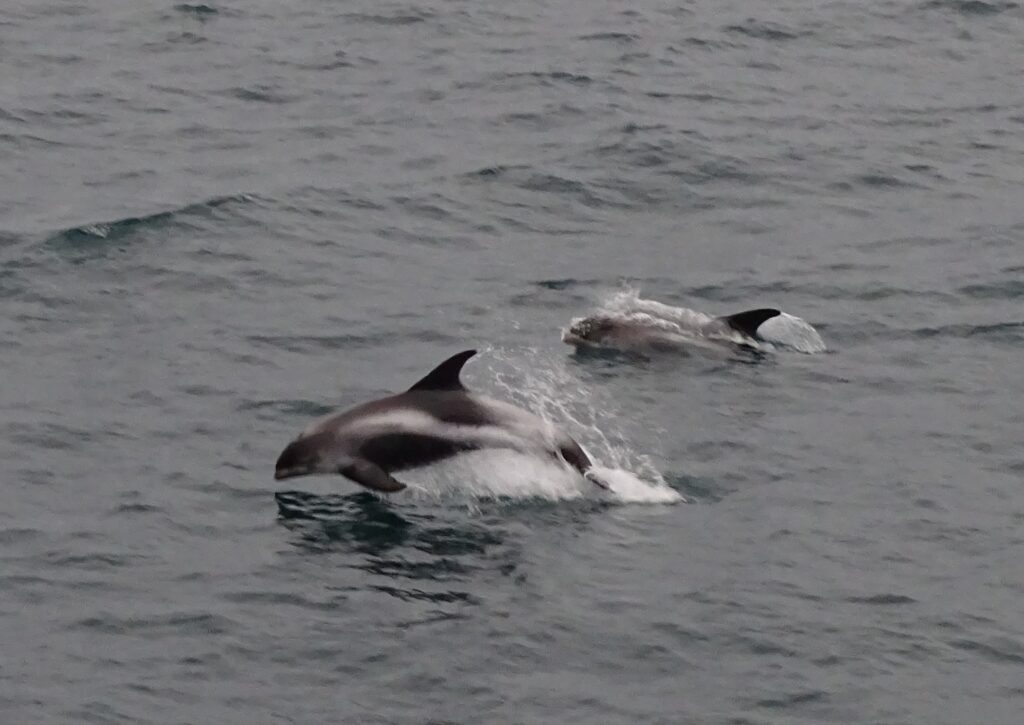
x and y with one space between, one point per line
219 221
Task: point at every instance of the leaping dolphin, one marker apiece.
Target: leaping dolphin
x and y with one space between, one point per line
435 419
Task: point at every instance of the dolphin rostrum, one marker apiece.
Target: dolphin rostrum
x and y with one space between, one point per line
434 419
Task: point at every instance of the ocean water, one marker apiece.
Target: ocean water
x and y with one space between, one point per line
221 220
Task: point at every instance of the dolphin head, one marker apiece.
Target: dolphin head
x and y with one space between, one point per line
306 455
588 330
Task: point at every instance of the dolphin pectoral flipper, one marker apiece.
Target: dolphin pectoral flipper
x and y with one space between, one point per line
371 475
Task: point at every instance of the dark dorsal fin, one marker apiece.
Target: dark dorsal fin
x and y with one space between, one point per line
446 375
748 322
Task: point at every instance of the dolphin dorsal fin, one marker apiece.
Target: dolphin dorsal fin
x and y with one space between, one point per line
446 375
748 322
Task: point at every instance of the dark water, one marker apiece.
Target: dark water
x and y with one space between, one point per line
221 220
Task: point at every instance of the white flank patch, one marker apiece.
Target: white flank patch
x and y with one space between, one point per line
523 432
508 474
396 420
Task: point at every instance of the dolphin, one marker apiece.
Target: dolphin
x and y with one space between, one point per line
644 331
435 419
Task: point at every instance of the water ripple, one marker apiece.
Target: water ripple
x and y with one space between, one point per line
221 220
188 217
172 624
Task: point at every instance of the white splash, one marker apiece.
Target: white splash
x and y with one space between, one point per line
547 388
628 487
629 301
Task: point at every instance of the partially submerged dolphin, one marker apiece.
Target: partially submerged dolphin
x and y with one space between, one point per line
435 419
639 331
635 324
